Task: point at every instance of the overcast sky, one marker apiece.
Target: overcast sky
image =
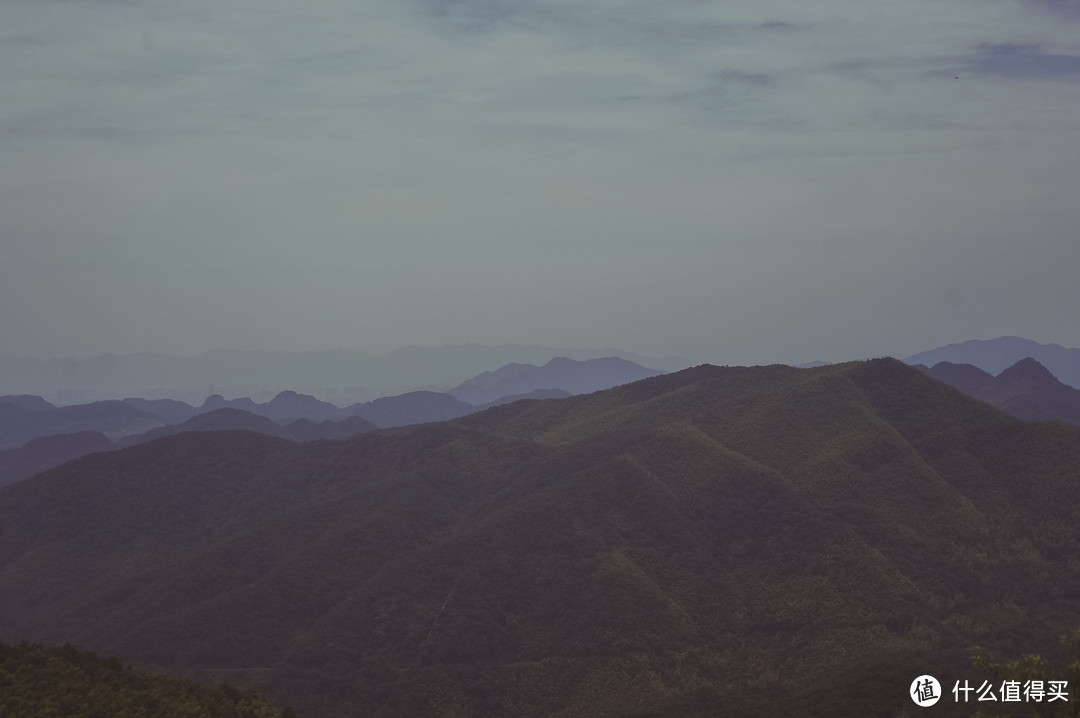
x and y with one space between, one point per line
734 182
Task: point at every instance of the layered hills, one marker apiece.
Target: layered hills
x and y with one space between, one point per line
19 423
575 377
26 420
52 450
717 541
996 355
1027 389
341 376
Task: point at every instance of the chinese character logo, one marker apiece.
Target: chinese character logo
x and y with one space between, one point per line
925 691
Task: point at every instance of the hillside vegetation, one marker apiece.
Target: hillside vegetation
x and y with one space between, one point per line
718 541
40 682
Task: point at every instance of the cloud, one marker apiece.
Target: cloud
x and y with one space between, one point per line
436 152
1069 9
1024 62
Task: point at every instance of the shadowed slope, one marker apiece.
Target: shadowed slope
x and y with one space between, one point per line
49 451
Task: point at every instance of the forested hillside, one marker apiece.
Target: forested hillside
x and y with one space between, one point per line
39 682
718 541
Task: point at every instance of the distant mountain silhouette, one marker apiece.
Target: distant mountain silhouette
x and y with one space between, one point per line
113 418
995 355
735 541
27 401
217 401
170 410
965 377
285 407
305 430
416 407
534 394
476 390
337 375
227 419
290 406
44 453
575 377
230 419
1027 389
289 415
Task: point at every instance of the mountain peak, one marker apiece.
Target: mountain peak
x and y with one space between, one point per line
996 355
571 375
1028 368
964 377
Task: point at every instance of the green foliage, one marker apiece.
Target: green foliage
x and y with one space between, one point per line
1034 667
41 682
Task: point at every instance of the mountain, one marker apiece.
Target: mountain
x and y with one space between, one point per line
47 452
289 406
285 407
737 541
965 377
1027 389
415 407
812 364
229 419
169 410
114 419
338 375
476 389
995 355
304 430
77 430
215 402
27 401
575 377
534 394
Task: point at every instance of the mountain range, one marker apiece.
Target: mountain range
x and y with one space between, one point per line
340 376
298 417
575 377
996 355
19 424
1027 389
716 541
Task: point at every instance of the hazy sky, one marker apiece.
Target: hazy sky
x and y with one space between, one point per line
735 182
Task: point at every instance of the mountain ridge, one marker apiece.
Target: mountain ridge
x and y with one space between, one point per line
1027 389
716 539
576 377
338 375
995 355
